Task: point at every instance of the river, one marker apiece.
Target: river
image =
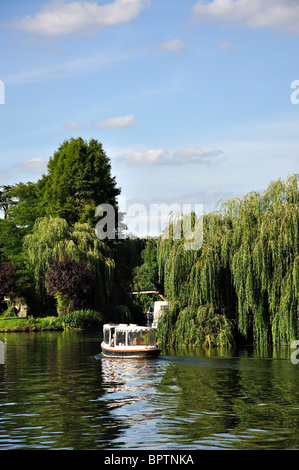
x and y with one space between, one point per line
57 392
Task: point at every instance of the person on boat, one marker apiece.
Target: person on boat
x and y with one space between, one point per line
138 341
112 342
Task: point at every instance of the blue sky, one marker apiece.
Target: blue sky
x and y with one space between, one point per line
190 99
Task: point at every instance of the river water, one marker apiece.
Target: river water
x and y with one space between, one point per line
57 392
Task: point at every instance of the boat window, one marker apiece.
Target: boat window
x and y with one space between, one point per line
135 338
120 338
143 337
106 335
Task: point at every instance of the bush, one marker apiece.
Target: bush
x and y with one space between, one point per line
85 319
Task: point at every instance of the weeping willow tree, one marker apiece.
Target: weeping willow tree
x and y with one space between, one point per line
200 313
52 238
243 282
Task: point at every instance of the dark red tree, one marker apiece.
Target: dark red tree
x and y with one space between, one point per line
72 281
8 281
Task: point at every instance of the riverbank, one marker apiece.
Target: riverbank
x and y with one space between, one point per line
84 319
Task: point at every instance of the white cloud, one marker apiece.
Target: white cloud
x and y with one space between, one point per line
73 125
116 122
28 168
196 155
278 14
33 165
148 157
208 197
59 18
173 45
180 157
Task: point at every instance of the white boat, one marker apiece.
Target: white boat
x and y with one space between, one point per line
125 341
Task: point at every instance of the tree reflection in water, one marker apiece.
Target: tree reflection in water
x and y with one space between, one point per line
54 394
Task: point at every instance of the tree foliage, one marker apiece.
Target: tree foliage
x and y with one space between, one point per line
11 240
6 199
8 281
56 217
26 209
146 273
78 180
243 282
71 283
52 238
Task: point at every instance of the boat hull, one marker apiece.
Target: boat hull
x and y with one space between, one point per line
130 353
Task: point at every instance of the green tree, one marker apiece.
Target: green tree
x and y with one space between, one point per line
52 238
26 209
78 180
11 250
11 241
6 199
146 275
243 282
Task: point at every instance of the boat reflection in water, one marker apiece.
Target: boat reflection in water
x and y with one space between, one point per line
129 341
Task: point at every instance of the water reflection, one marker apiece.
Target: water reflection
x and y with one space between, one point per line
203 402
233 402
130 394
133 375
46 388
54 394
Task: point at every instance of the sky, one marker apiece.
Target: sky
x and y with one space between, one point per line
193 101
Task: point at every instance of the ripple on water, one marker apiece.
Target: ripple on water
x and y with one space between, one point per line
54 394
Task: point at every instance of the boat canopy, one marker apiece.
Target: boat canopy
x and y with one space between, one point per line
129 335
129 328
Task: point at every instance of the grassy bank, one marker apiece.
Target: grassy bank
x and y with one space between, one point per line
84 319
